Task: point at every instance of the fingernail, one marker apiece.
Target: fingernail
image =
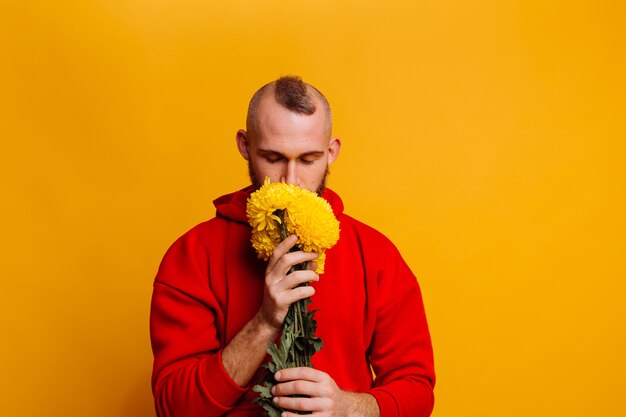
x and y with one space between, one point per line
277 375
275 400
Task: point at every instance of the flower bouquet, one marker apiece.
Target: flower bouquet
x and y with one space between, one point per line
275 211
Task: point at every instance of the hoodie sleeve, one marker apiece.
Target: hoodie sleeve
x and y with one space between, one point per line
401 351
188 376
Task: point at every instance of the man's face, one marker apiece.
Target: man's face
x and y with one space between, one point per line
287 146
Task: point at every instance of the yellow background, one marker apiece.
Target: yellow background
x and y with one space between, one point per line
485 138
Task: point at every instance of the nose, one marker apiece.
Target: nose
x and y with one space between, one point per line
290 175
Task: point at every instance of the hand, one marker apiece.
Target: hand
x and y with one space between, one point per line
281 290
324 396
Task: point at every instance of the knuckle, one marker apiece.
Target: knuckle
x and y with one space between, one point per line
280 263
326 391
271 292
270 276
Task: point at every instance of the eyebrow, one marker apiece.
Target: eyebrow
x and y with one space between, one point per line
304 155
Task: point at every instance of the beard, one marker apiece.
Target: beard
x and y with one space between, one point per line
257 183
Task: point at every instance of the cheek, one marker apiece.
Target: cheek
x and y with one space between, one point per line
263 169
314 174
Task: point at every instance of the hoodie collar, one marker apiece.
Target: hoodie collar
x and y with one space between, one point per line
233 206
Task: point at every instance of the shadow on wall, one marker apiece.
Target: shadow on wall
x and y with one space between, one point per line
139 401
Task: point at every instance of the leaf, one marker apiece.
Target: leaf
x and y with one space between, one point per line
318 344
271 409
278 355
291 349
299 344
264 391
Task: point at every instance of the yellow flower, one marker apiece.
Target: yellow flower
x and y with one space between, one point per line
307 215
264 202
321 263
265 243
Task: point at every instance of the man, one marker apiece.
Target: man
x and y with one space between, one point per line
215 305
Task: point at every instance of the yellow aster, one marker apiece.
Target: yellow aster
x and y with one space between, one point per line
307 215
312 220
264 242
263 203
321 263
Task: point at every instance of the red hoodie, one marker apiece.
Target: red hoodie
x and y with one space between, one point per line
370 312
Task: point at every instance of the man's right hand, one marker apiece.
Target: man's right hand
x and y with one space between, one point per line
245 352
281 288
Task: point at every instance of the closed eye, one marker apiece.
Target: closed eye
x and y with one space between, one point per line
273 160
311 157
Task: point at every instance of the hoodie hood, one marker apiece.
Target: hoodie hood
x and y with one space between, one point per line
233 206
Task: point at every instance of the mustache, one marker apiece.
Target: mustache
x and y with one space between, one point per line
258 182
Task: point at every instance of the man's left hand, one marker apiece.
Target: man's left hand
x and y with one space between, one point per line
323 396
325 399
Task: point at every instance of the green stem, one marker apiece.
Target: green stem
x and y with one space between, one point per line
299 329
298 309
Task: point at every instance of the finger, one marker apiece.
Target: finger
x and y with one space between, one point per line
296 278
288 260
299 387
281 249
312 265
314 414
296 294
304 373
301 403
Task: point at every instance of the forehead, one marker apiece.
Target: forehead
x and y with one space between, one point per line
278 126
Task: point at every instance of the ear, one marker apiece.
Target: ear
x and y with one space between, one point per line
243 144
333 149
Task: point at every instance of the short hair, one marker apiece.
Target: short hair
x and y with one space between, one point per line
291 93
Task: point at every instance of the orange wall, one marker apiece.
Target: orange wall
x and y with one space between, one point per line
486 138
